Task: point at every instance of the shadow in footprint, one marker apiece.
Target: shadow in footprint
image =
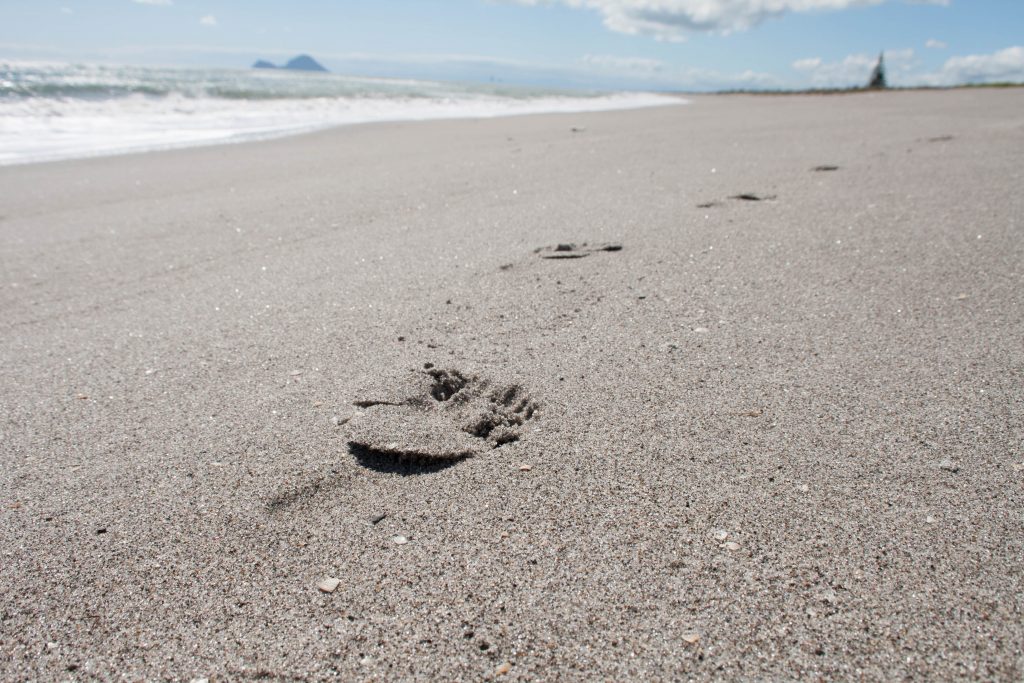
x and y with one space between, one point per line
386 463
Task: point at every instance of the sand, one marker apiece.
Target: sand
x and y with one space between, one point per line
771 438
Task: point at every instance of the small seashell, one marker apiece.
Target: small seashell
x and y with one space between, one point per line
329 585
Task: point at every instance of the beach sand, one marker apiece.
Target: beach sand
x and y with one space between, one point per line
774 439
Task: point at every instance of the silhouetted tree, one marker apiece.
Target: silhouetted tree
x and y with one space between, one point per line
877 80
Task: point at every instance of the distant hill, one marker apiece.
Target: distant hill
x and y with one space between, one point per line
300 63
304 63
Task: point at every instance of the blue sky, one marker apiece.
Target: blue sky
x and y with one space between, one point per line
648 44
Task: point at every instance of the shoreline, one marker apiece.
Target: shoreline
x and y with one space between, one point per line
682 97
468 110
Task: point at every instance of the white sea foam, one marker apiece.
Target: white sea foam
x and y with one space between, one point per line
58 111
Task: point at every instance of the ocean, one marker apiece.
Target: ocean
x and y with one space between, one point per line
59 111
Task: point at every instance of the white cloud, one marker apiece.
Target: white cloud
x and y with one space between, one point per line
934 44
809 64
672 19
153 2
854 69
654 73
1002 66
902 69
641 64
208 20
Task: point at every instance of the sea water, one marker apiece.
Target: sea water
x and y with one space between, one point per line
57 111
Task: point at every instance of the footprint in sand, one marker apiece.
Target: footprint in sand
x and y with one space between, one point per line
569 250
752 197
437 417
743 196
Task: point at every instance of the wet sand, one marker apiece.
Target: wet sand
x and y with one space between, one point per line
777 435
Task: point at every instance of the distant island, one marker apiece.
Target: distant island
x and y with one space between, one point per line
300 63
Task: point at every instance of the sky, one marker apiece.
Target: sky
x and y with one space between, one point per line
690 45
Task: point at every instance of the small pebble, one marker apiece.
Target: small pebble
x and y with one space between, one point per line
503 669
949 465
691 638
378 518
721 535
399 540
732 545
295 373
930 519
804 488
329 585
700 330
525 468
